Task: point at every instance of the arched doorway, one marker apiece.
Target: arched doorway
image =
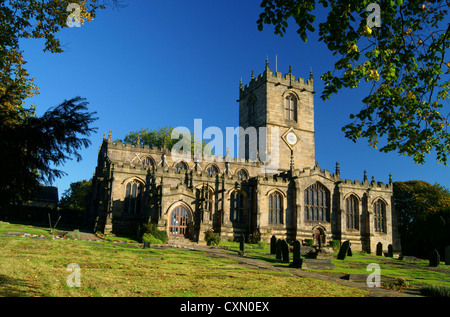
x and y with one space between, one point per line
180 222
319 236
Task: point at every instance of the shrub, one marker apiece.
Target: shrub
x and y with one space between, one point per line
152 228
309 242
211 237
59 233
149 238
335 244
76 233
261 245
435 291
254 238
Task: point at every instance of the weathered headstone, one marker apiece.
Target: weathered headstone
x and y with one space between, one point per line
447 255
409 258
343 250
284 251
278 250
434 258
296 261
241 243
146 245
317 264
379 249
273 245
390 252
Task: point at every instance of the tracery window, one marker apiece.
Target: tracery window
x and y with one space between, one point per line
148 162
209 203
237 204
133 197
317 203
242 175
181 166
351 209
211 170
275 208
290 107
251 110
379 212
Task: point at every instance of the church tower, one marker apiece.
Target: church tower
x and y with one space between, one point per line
284 105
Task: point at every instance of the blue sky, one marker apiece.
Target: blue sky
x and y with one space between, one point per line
153 64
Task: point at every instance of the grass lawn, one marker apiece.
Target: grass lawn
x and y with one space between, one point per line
38 267
8 227
413 273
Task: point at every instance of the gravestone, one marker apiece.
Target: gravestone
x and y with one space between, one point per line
447 255
356 277
343 250
273 245
434 258
379 249
349 251
409 258
146 245
278 250
317 264
241 243
284 251
390 252
296 261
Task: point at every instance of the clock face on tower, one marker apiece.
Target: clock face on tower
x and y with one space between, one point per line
291 138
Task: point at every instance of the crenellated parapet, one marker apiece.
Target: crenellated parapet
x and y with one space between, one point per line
289 80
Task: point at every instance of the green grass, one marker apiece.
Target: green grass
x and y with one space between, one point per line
413 273
8 227
37 267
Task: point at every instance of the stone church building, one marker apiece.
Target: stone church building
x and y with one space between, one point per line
135 184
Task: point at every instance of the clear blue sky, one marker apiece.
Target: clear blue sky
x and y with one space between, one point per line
165 63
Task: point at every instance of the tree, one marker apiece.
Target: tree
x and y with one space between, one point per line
403 60
25 19
423 213
76 197
157 138
30 144
36 146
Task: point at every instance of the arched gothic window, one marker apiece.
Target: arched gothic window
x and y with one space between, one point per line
209 202
237 204
211 170
317 203
251 110
275 208
133 198
181 167
379 213
148 162
290 107
242 175
351 209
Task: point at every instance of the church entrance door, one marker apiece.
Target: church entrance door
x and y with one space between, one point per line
319 237
180 221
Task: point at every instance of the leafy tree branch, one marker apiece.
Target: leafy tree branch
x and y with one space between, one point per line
403 61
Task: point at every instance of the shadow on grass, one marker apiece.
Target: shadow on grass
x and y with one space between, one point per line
12 287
